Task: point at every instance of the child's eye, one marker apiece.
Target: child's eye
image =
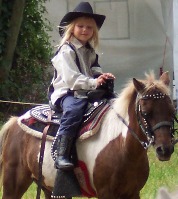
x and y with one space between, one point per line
80 26
89 27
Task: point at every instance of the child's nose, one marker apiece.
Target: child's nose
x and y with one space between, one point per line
84 28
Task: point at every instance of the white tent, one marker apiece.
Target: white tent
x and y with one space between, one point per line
136 37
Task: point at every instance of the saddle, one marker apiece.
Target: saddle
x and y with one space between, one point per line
38 119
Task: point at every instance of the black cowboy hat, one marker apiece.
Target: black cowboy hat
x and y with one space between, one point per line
82 9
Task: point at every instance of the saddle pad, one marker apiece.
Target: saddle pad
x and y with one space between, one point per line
82 176
27 123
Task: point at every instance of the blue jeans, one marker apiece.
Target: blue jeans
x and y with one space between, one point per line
73 111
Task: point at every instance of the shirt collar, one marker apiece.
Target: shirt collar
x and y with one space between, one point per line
78 44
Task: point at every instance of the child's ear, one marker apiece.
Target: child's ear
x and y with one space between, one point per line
72 31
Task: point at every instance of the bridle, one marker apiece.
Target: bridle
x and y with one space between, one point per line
145 126
142 117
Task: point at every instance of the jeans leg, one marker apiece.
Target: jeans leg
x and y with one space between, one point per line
73 111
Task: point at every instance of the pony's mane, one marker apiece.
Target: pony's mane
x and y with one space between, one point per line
151 84
123 100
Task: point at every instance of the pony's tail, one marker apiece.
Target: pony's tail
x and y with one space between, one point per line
3 134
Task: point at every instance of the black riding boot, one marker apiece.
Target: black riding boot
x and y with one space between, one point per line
64 144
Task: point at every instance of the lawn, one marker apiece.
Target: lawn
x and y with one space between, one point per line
162 174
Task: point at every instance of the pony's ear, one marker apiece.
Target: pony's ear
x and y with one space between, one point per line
165 78
139 86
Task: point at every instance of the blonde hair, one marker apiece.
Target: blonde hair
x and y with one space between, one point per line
94 41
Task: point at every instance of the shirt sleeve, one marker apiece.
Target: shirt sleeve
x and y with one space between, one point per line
65 64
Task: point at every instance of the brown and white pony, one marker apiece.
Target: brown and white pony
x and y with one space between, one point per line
116 156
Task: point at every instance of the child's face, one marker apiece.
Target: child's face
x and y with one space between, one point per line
83 29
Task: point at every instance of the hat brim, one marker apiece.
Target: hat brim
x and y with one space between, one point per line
69 17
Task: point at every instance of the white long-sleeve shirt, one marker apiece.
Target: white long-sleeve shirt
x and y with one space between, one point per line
67 74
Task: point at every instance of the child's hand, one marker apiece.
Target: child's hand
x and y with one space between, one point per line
102 78
108 76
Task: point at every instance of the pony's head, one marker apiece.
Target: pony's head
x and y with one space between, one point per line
155 113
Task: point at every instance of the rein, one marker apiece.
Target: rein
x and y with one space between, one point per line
145 145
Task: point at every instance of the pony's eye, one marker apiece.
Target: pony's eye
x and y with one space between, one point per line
145 107
144 113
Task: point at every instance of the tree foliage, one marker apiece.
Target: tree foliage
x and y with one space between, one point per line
12 36
28 77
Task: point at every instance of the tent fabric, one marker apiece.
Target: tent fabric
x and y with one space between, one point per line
137 36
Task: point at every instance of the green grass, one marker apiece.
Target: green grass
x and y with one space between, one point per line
162 174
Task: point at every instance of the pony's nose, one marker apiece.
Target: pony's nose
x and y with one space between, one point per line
164 151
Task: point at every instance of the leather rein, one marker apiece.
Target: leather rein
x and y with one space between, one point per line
144 124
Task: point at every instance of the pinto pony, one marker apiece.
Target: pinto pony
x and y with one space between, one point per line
115 157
